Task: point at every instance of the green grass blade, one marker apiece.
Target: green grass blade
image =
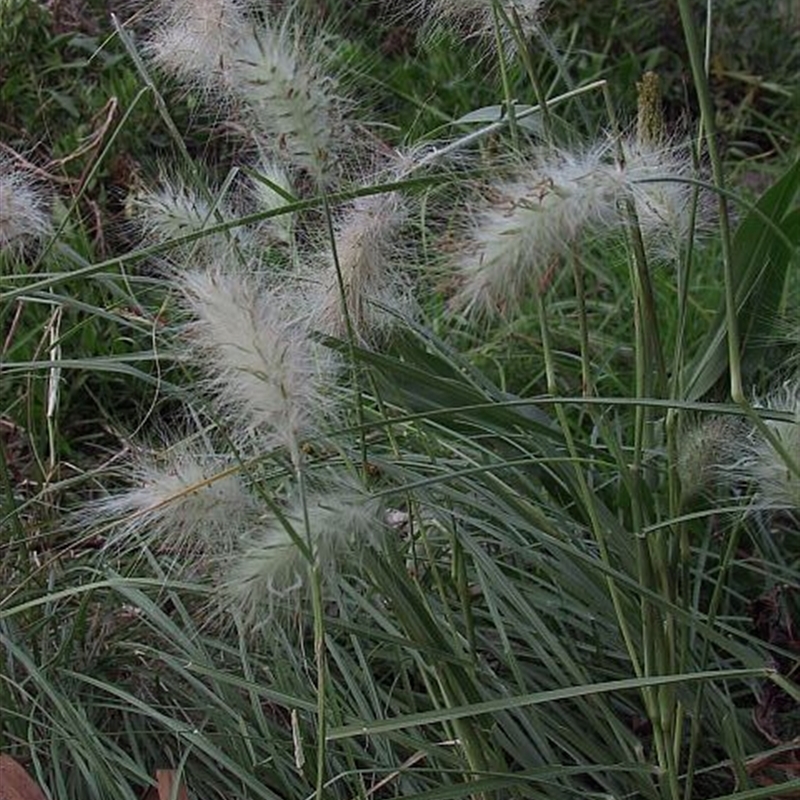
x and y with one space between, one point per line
536 698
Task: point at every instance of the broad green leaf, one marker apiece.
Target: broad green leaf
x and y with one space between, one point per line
761 257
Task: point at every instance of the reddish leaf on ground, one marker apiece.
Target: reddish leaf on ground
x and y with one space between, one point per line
165 779
15 783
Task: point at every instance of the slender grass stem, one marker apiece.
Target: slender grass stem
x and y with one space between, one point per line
652 552
507 94
579 276
679 564
684 274
728 557
319 631
641 279
707 120
351 337
523 47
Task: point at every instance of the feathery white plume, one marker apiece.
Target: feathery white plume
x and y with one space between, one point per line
365 247
657 180
291 95
725 450
195 39
704 448
174 210
273 68
777 482
272 564
267 374
182 498
22 215
527 222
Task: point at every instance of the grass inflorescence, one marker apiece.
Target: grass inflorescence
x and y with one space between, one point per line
389 446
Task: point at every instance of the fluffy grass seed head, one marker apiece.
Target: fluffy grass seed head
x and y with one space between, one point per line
656 178
530 220
195 39
272 565
174 210
292 96
703 449
366 250
182 499
23 219
264 369
777 481
479 15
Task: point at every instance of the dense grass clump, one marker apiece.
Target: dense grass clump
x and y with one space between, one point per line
400 402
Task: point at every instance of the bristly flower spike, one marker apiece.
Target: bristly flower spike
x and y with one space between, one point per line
23 218
264 370
366 244
704 448
174 210
658 178
527 222
291 95
272 68
183 499
195 39
272 565
777 480
728 451
533 220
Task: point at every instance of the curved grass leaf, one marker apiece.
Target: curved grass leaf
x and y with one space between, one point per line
536 698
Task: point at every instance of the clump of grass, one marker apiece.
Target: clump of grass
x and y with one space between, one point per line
352 532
